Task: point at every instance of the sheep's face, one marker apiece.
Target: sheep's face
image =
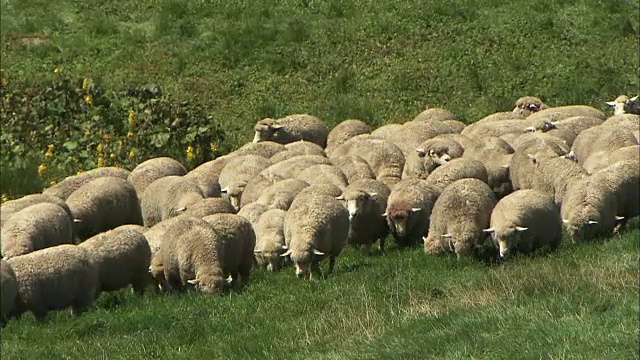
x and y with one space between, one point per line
432 245
527 105
399 221
302 261
619 104
269 259
210 284
354 202
582 226
234 193
507 240
440 155
264 130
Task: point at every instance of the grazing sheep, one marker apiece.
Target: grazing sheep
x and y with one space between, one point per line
55 278
553 114
155 236
569 128
153 169
495 154
525 221
434 114
412 134
623 105
353 167
522 169
252 212
601 159
167 197
385 159
253 190
36 227
262 148
314 229
552 176
237 173
70 184
191 254
209 206
8 291
504 127
122 257
366 201
528 138
290 168
429 155
281 194
459 217
455 125
623 179
207 182
11 207
270 242
292 128
385 131
528 105
600 138
499 116
323 174
589 209
303 147
408 210
457 169
344 131
317 189
239 241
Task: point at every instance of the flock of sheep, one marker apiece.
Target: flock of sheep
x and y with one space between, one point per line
300 192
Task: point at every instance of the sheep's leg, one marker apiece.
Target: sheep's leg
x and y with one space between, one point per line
332 263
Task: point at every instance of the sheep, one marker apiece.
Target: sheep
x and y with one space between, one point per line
408 210
503 127
385 159
122 256
253 190
292 128
525 221
601 159
317 189
455 125
314 229
353 167
552 176
622 178
528 138
155 236
434 114
270 242
11 207
70 184
252 212
237 173
209 206
366 201
297 148
191 253
569 128
459 217
412 134
499 116
385 131
207 182
290 168
457 169
600 138
323 174
153 169
464 141
562 112
167 197
589 209
263 148
495 154
36 227
104 204
429 155
55 278
8 291
521 168
623 105
528 105
281 194
239 241
344 131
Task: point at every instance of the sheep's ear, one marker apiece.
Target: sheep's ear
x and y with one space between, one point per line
75 221
228 280
286 253
505 166
446 236
421 152
224 190
385 214
610 103
432 153
565 221
619 218
634 98
533 158
257 252
193 281
340 197
415 209
591 222
372 194
530 129
276 127
521 229
532 107
489 230
317 252
182 209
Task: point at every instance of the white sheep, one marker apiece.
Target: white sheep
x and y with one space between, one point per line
270 243
167 197
292 128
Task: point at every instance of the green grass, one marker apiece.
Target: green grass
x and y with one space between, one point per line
380 61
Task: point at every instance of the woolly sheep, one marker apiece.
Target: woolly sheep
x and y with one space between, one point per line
434 114
385 131
207 182
252 212
344 131
239 241
253 190
70 184
209 206
292 128
262 148
290 168
459 217
167 197
601 159
499 116
153 169
8 291
455 125
623 179
429 155
562 112
525 221
385 159
412 134
528 105
623 105
304 147
317 189
122 257
457 169
569 128
553 175
11 207
55 278
503 127
353 167
281 194
521 169
36 227
528 138
366 201
270 242
464 141
495 154
600 138
314 229
237 173
408 210
191 254
323 174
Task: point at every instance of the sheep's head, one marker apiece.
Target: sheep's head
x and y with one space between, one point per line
439 154
527 105
185 201
304 260
399 218
234 192
623 105
270 258
355 201
211 284
506 240
265 129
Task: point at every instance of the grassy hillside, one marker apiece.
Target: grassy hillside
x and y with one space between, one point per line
379 61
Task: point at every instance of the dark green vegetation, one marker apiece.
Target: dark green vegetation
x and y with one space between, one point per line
380 61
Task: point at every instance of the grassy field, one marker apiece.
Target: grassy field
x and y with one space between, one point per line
379 61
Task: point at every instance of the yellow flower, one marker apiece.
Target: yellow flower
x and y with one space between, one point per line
130 134
89 99
213 146
132 154
4 197
106 137
112 156
85 84
190 154
79 172
87 132
58 69
132 118
100 161
49 152
100 147
41 169
53 182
